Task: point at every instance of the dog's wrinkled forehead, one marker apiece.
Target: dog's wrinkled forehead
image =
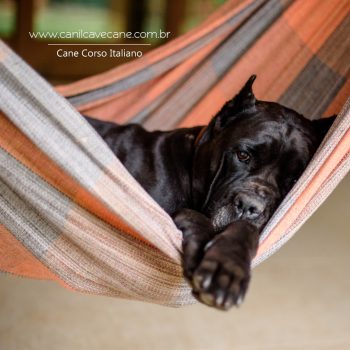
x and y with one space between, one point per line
271 125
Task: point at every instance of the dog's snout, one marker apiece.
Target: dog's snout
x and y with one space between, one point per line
249 206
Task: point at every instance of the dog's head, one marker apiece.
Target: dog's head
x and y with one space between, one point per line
249 156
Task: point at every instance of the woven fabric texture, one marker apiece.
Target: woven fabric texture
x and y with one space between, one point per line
70 212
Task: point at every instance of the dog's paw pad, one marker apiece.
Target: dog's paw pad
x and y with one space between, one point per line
220 285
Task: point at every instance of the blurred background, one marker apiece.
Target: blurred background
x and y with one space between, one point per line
18 17
298 300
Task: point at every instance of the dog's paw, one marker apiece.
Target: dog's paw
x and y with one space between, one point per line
220 283
222 278
197 231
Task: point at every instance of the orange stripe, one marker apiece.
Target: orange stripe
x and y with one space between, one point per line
315 20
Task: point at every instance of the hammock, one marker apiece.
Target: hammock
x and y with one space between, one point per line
69 210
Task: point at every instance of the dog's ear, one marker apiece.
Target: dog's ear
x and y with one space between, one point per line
322 125
244 101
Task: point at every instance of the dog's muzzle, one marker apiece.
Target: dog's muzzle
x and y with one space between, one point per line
254 202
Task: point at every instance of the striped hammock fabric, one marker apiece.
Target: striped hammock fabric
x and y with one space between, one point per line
69 210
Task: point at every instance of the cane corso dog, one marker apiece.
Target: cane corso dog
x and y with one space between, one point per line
220 183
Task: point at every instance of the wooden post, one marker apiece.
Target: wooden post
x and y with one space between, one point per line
136 14
24 24
175 11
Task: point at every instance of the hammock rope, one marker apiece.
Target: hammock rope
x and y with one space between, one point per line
69 210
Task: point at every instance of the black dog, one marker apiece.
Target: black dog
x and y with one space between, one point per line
221 183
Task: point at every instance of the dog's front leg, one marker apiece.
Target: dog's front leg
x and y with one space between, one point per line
217 265
197 232
222 277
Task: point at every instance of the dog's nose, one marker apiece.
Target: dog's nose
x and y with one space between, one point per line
249 206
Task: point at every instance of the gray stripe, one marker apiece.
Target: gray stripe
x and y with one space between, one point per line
335 52
313 90
159 101
236 45
23 201
321 79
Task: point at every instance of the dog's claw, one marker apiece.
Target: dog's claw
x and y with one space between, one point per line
227 304
206 281
239 299
219 298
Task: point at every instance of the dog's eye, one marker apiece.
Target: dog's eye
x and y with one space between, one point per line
243 156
